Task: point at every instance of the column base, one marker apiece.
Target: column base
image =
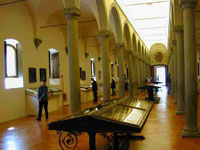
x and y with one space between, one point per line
191 133
136 92
180 112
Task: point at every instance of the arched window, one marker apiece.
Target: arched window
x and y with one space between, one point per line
54 67
13 64
11 58
112 69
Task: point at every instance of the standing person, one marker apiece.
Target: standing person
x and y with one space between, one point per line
94 90
43 99
113 86
169 82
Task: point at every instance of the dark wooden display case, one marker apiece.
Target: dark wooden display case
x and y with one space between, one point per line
125 115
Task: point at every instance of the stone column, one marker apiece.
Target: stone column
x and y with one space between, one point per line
175 73
190 59
121 69
145 66
130 65
135 74
105 64
73 52
180 71
149 74
140 71
170 67
172 73
143 70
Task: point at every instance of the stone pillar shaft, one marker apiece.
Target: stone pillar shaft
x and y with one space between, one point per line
135 74
172 73
105 65
74 71
180 72
140 72
121 69
190 59
130 65
175 74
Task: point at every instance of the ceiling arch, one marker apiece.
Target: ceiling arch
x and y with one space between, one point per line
127 37
115 23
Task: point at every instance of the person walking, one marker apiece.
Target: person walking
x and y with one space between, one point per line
43 100
169 83
113 86
94 90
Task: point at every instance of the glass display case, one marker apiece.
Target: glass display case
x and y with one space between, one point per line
55 100
125 115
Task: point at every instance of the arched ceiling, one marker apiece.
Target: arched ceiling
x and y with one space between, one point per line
115 24
150 18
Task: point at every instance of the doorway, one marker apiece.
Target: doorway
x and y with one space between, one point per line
160 74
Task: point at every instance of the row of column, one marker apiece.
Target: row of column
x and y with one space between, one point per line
183 69
137 67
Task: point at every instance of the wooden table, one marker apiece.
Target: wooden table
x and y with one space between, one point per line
150 89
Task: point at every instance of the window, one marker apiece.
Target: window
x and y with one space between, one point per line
13 64
92 67
54 67
118 70
112 69
11 60
127 72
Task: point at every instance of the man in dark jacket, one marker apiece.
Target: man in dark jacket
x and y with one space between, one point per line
169 83
43 99
113 86
94 90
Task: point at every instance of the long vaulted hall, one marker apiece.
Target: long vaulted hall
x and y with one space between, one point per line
99 74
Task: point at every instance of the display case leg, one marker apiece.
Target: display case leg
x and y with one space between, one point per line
116 141
92 140
135 137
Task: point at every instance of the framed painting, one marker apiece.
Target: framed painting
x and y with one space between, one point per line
83 75
32 75
43 74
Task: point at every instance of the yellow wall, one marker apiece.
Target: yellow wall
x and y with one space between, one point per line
16 23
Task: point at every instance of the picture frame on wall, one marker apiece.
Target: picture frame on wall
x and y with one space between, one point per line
80 73
43 74
83 75
32 75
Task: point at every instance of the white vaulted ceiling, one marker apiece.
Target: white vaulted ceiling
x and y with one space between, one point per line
150 18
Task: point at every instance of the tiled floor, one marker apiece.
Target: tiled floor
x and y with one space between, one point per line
162 131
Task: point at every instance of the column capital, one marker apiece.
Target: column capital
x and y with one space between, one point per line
188 3
139 58
120 45
142 60
104 33
72 13
178 29
129 51
135 56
